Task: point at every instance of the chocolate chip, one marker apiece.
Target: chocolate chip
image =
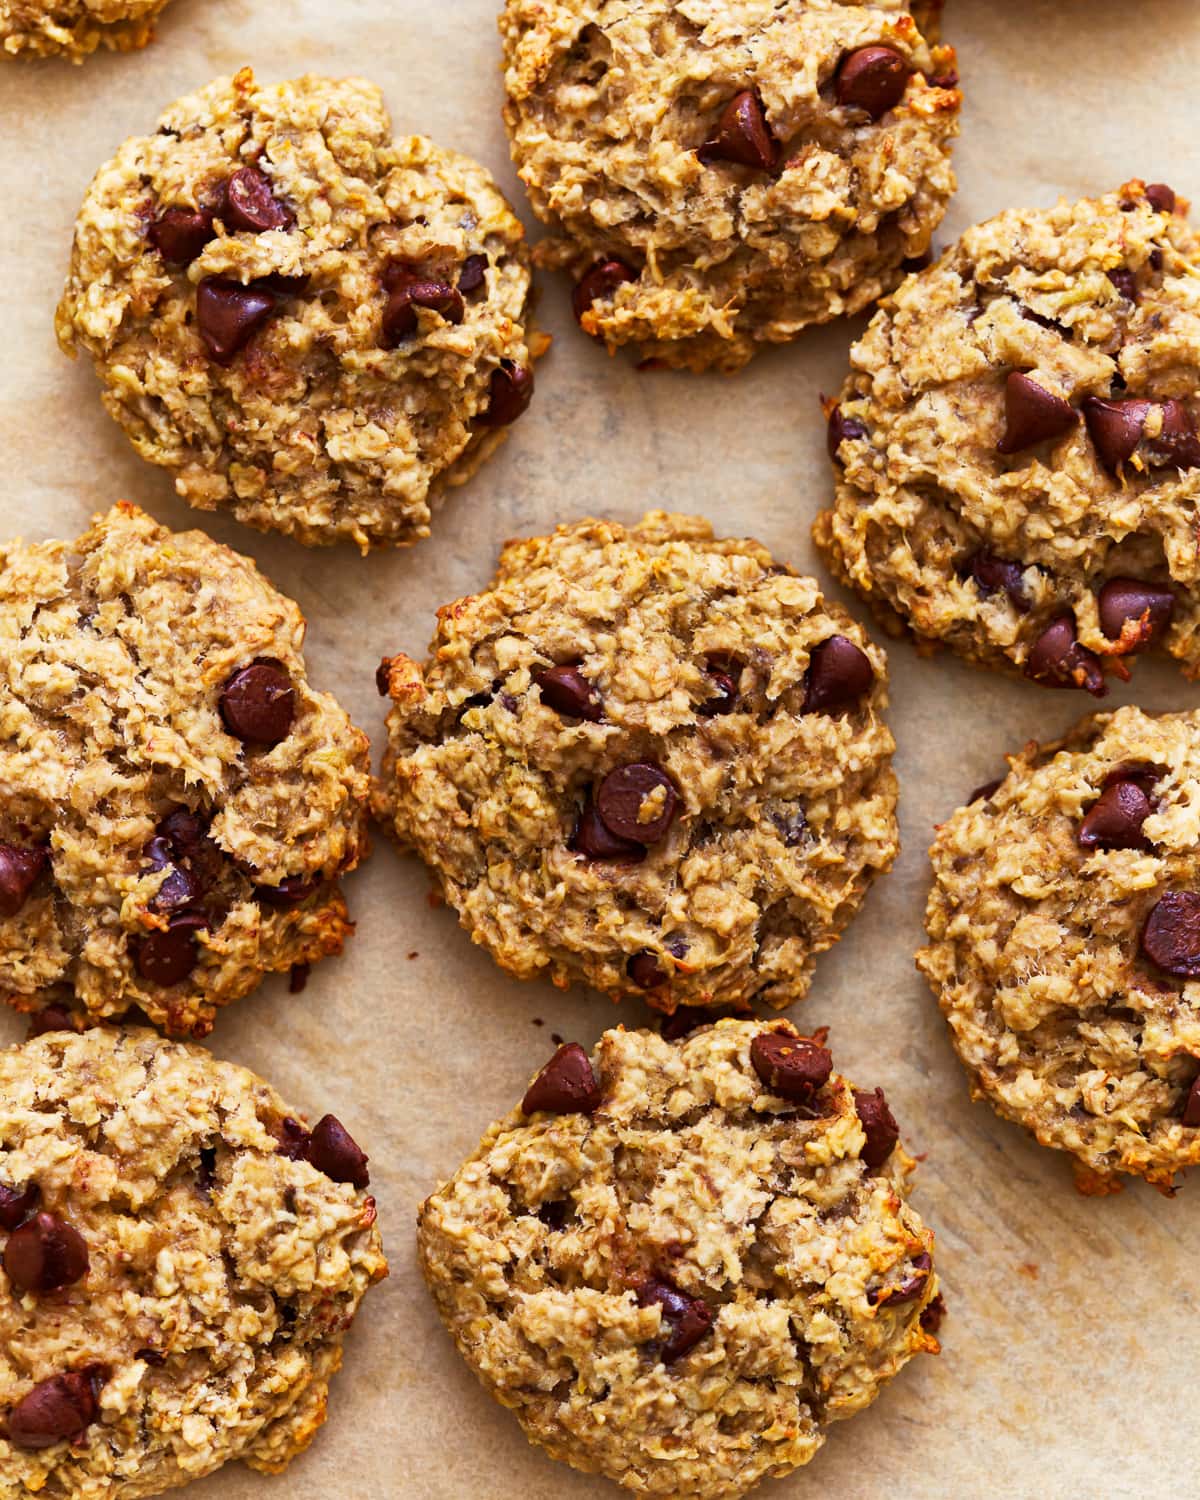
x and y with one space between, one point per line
1032 414
1126 603
879 1127
1125 282
333 1150
510 391
180 888
842 429
592 839
792 1066
473 274
1115 819
19 869
933 1314
565 1086
791 825
383 677
179 234
1191 1106
42 1022
1160 197
248 203
682 1022
1171 936
567 691
168 957
1115 428
723 696
1177 444
16 1203
59 1408
684 1320
44 1254
626 791
600 281
909 1289
291 891
229 314
293 1139
742 135
258 704
408 292
839 674
646 971
1057 660
991 573
872 78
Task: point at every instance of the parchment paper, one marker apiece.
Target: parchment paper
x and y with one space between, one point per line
1071 1348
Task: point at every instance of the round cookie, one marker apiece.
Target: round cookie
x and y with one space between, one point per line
181 1260
179 802
646 760
678 1263
1016 451
719 176
312 325
75 28
1064 927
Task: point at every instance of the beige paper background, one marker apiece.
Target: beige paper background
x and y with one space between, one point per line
1071 1349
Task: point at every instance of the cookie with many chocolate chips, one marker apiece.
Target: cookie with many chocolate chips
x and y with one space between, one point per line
1064 927
180 1267
312 325
717 176
179 804
75 28
682 1280
647 760
1017 452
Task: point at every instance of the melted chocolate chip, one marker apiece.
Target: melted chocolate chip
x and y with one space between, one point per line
291 891
473 274
1115 428
645 971
933 1313
598 283
1160 197
229 314
45 1254
684 1320
16 1203
1177 444
408 292
179 234
627 791
872 78
565 1086
1171 936
258 704
839 675
592 839
879 1127
1125 282
42 1022
742 135
842 429
180 888
910 1288
567 691
60 1408
723 688
1033 414
992 573
1134 613
20 867
293 1139
168 957
793 1067
1191 1105
333 1150
1115 819
249 204
1057 660
509 393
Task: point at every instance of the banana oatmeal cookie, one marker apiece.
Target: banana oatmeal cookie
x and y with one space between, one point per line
1064 928
75 28
179 802
181 1260
314 326
1017 455
679 1262
719 174
646 760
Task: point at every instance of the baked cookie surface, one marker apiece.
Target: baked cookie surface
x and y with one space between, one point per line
1064 926
1016 450
314 326
181 1260
648 760
680 1262
179 801
75 28
719 174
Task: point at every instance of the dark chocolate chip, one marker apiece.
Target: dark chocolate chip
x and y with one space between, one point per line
1134 613
180 888
684 1320
567 691
383 677
839 675
333 1150
59 1408
258 704
792 1066
229 314
1156 259
933 1313
1177 444
646 971
249 204
872 78
592 839
1125 282
291 891
179 234
44 1254
49 1018
879 1127
293 1139
408 292
1032 414
1191 1106
168 957
19 869
842 429
1057 660
16 1203
910 1288
1114 821
1160 197
1115 428
742 135
510 391
791 825
991 573
598 282
1171 936
623 794
473 274
565 1086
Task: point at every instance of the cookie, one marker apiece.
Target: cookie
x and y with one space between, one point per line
646 760
312 325
1064 927
1016 450
719 176
679 1262
75 28
181 1260
179 802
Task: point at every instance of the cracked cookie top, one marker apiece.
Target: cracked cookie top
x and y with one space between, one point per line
1016 450
181 1259
719 174
74 28
678 1262
646 759
179 801
1064 927
312 325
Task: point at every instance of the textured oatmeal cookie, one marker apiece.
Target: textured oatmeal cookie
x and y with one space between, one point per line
1017 455
719 174
179 802
647 760
314 326
75 28
1064 926
678 1263
181 1260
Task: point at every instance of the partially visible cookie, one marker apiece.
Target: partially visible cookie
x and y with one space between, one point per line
1064 927
719 176
312 325
1017 451
678 1263
179 803
181 1260
75 28
648 760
